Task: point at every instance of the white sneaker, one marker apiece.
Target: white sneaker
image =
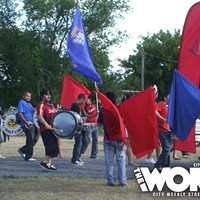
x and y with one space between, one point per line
31 160
2 156
150 160
80 160
77 163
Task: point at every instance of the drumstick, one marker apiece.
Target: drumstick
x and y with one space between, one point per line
55 129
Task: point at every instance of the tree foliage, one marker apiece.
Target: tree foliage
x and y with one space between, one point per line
33 55
161 57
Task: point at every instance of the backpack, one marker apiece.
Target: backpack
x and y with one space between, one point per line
18 120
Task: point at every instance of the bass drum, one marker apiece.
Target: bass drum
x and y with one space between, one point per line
66 124
9 125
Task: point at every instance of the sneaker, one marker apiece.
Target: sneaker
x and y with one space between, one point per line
80 160
53 168
150 160
22 154
77 162
31 160
111 184
2 156
185 156
48 166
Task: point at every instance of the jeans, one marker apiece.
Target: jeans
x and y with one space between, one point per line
77 148
32 136
93 135
166 143
85 141
111 149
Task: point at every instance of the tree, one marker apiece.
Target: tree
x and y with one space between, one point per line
161 57
33 55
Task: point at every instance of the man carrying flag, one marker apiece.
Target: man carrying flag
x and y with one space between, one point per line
165 135
114 138
78 49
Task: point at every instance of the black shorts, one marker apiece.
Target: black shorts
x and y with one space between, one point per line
50 143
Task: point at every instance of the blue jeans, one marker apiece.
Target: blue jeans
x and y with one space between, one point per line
85 141
94 137
111 149
77 148
166 143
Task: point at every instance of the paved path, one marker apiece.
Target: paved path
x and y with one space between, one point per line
16 167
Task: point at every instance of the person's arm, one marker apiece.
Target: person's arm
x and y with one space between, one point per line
27 123
43 121
160 117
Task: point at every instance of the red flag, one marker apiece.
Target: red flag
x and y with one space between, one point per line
112 126
139 116
189 63
70 91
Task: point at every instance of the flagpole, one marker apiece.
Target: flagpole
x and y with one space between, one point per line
97 105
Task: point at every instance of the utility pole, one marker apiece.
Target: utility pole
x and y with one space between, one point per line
142 70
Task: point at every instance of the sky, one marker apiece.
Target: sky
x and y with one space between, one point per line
149 16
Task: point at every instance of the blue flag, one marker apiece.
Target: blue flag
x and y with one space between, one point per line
184 106
78 49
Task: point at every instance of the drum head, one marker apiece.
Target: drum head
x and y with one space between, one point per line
65 124
9 125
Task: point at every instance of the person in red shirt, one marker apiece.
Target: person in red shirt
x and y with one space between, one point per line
92 131
45 112
114 140
149 158
164 133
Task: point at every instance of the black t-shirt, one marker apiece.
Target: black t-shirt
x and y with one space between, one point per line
75 107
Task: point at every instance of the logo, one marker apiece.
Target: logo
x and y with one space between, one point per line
78 36
177 179
9 125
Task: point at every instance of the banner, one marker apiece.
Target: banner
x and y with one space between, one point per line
115 125
139 116
70 91
189 63
78 49
184 106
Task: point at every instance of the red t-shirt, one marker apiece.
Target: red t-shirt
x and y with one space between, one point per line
161 107
91 110
47 111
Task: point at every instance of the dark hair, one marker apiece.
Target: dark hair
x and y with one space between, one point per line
164 95
81 96
26 93
111 96
44 91
126 96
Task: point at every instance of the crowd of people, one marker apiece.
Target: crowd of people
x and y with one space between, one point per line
91 117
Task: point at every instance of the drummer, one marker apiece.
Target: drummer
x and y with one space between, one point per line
76 107
45 112
25 113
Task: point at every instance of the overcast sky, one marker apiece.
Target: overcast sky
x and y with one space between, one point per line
150 16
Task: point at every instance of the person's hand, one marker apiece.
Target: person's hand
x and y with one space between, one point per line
28 124
48 126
